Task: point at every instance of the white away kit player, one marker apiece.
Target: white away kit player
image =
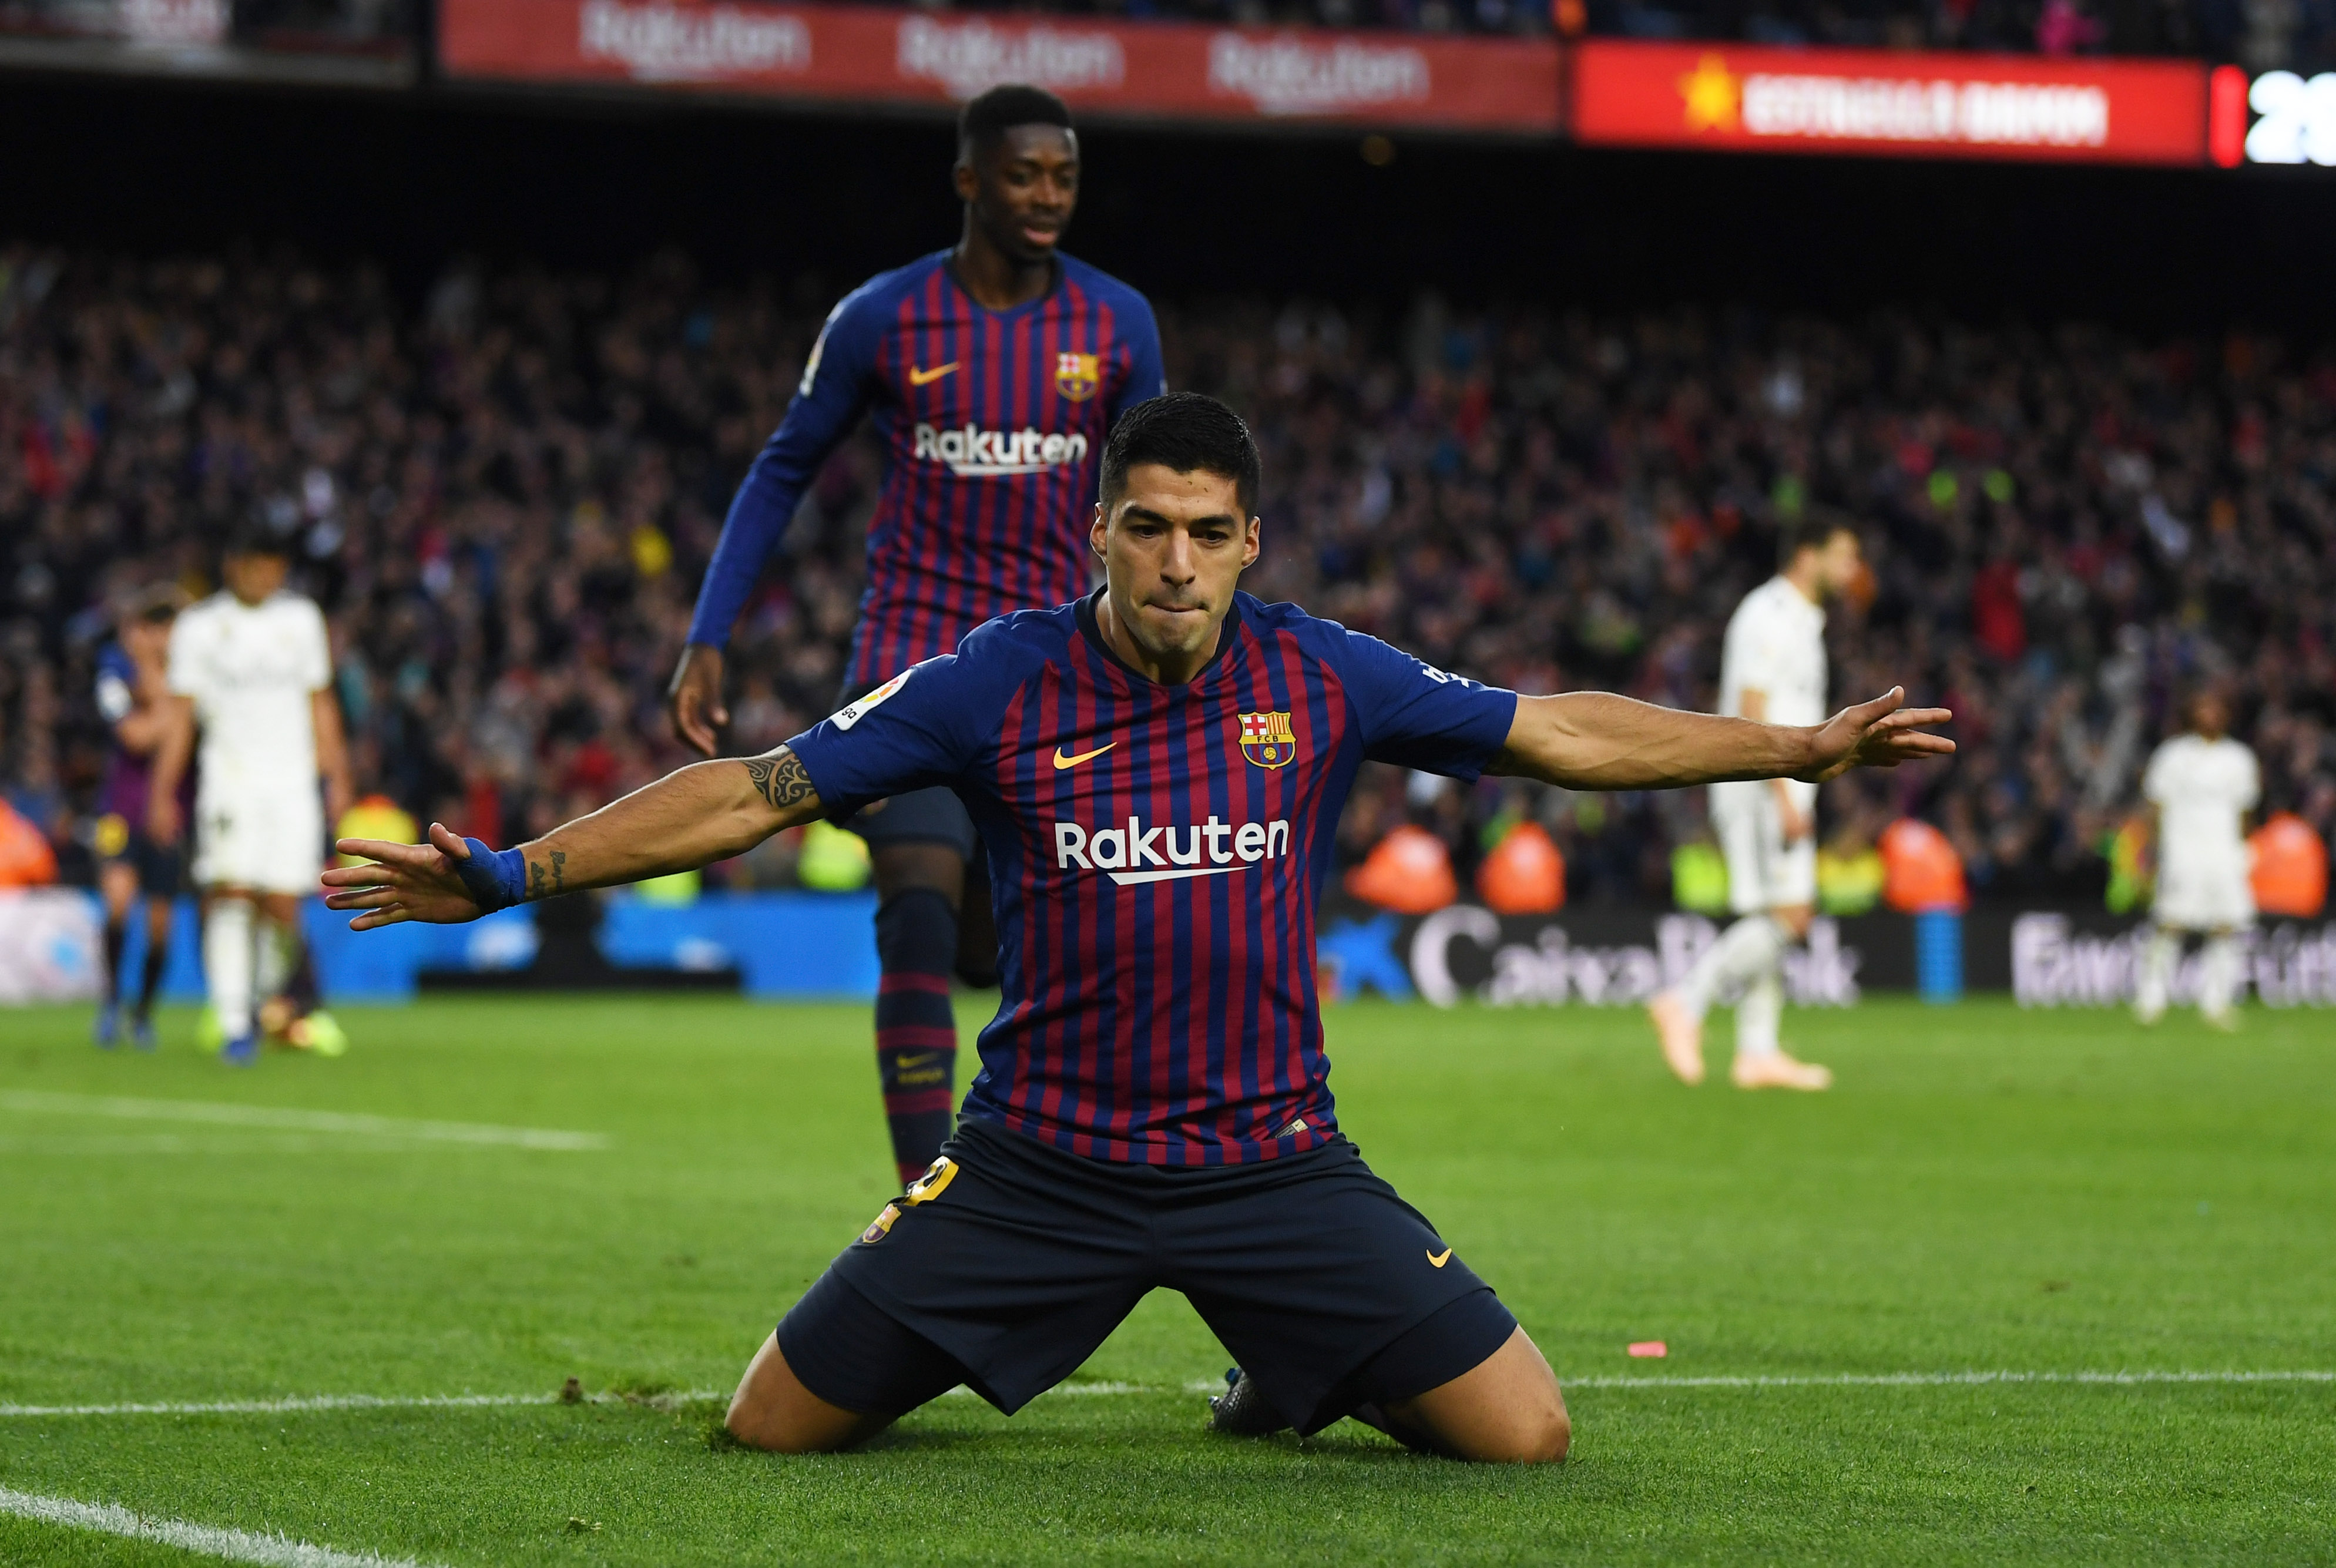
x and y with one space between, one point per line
1772 667
251 667
2200 787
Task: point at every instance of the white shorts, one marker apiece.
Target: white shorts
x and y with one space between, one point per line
1764 872
2203 897
271 841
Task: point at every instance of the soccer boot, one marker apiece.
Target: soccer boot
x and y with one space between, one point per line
2224 1020
1242 1410
107 1029
241 1051
319 1032
1775 1070
141 1031
1680 1034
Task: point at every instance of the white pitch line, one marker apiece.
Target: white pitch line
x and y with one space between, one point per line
221 1112
1941 1379
276 1406
235 1545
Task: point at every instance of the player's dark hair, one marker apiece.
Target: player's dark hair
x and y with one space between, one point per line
1810 530
255 535
1190 432
990 115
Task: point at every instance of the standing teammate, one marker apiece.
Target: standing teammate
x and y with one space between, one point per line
133 698
994 370
1772 667
251 667
2200 787
1158 770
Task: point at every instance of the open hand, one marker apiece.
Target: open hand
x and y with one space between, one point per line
405 881
1883 732
694 699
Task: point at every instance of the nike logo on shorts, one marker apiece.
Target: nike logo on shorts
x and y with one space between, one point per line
1438 1260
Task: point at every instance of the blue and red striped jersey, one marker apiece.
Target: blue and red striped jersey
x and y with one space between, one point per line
1155 855
992 423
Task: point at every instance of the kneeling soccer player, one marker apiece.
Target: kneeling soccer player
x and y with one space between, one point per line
1156 771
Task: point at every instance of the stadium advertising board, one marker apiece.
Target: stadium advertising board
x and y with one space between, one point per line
1724 98
2277 117
864 54
1595 958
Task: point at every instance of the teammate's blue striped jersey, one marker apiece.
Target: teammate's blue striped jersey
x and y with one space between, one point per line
992 423
1155 854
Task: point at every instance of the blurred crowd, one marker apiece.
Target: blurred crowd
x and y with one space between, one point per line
504 493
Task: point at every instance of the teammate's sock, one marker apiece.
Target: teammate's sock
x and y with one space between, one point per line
1760 1014
117 937
2156 982
2219 976
149 978
275 962
227 962
303 989
916 1029
1743 952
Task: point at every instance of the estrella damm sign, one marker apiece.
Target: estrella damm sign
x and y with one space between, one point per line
1266 739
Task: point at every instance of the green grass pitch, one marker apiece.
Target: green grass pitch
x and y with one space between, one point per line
1987 1191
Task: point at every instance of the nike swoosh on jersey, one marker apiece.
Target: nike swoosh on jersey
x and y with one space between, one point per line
1438 1260
918 378
1062 761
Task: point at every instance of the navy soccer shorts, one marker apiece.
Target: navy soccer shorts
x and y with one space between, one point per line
1011 1262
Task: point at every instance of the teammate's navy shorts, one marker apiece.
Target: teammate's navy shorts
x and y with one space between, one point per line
160 867
1011 1262
925 816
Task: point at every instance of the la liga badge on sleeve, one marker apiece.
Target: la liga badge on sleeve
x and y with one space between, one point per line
1076 376
1267 739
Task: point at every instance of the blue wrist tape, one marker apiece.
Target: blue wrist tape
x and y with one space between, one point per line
495 879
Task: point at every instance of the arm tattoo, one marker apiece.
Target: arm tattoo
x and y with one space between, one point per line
559 871
781 780
535 888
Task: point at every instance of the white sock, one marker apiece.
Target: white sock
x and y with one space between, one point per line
2218 975
2158 956
274 966
1760 1014
1745 950
227 963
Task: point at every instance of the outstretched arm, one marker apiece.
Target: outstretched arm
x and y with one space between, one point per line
1596 741
705 813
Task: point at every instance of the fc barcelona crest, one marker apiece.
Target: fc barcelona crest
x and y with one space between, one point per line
1267 739
1076 376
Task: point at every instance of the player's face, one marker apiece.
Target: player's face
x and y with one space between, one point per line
146 641
1022 188
252 578
1838 562
1173 547
2210 717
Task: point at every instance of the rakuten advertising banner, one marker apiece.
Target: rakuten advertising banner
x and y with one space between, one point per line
1734 99
1164 70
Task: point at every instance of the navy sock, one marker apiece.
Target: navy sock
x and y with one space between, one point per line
916 1030
149 978
301 989
117 937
